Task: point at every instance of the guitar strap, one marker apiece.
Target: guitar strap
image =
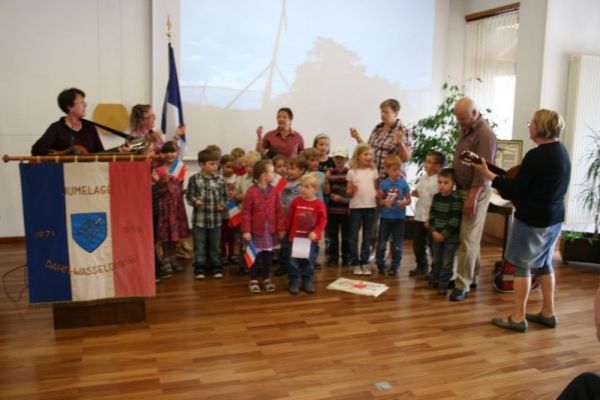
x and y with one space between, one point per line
111 130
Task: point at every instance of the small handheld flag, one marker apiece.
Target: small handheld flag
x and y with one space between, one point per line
250 255
280 183
178 170
235 214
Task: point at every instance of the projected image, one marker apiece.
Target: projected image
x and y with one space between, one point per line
249 55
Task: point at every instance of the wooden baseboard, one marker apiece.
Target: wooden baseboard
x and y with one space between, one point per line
12 239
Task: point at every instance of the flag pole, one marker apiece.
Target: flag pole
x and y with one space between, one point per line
169 28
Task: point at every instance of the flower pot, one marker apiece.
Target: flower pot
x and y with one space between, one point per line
581 248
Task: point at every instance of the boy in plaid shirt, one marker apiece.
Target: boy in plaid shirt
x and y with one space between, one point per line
207 194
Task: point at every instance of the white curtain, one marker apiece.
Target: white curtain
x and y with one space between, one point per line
490 65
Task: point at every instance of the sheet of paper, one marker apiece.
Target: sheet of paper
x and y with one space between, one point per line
301 247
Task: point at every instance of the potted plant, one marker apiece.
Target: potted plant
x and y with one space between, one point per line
440 131
585 246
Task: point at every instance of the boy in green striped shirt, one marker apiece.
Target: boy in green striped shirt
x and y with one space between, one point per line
444 225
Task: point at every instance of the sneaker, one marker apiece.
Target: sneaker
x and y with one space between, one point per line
218 275
357 270
199 276
392 272
177 267
366 270
167 269
164 275
253 286
293 290
413 273
310 289
269 286
332 262
233 260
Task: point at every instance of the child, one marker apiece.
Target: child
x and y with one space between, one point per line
242 184
338 213
307 217
280 163
228 231
394 196
207 194
312 155
216 149
239 169
297 168
427 186
172 218
322 144
444 224
361 187
262 219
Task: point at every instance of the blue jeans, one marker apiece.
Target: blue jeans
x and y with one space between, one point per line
393 228
443 262
207 250
304 267
360 217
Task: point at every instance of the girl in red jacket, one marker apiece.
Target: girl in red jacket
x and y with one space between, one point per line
262 222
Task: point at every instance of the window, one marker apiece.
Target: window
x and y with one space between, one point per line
490 67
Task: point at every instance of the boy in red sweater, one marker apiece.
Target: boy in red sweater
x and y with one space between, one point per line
307 217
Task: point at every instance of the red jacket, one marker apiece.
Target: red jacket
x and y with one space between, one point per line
257 208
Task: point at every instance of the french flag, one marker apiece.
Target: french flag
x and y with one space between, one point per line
178 170
88 229
235 214
250 254
280 183
172 112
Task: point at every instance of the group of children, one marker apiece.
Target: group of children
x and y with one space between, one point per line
283 208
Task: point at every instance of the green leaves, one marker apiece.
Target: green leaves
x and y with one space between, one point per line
439 131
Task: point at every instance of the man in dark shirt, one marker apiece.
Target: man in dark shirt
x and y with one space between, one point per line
70 133
474 188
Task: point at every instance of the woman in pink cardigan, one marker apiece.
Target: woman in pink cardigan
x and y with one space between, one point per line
262 222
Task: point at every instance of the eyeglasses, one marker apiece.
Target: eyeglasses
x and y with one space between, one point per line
529 123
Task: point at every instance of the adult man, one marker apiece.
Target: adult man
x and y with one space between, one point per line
474 188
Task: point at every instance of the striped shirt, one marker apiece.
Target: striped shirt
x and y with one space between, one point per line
445 215
212 191
337 184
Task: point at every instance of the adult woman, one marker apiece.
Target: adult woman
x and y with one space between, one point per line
388 137
538 193
283 140
141 123
70 131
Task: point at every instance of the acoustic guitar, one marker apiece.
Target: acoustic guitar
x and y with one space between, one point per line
468 158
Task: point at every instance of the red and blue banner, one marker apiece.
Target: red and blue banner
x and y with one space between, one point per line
88 229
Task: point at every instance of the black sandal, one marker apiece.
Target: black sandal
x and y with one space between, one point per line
510 324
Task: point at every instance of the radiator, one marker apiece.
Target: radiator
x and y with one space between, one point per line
581 116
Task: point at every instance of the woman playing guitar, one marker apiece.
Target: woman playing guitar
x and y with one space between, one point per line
69 132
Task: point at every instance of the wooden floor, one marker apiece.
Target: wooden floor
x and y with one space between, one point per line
213 340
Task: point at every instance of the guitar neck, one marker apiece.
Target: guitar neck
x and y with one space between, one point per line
495 169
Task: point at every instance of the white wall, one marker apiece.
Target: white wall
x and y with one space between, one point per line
100 46
550 31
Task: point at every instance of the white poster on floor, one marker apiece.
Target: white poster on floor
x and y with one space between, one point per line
364 288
